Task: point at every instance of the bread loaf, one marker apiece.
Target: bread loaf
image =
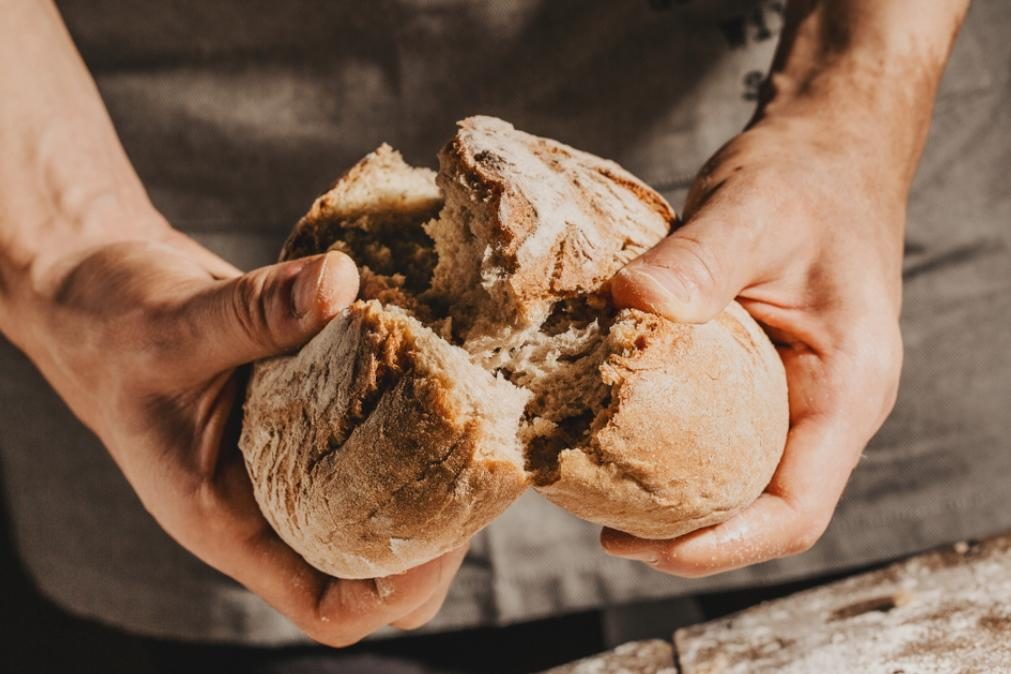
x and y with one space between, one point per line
484 355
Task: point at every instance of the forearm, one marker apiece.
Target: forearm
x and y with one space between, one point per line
65 182
864 73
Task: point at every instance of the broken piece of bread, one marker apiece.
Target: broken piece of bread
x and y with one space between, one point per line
484 355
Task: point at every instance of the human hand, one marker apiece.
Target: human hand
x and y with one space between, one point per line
801 219
810 242
143 338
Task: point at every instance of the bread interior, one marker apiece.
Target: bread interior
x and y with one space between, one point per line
432 269
558 362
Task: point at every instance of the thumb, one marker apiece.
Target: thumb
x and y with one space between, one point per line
693 274
271 309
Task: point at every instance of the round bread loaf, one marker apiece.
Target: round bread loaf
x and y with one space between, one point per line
484 355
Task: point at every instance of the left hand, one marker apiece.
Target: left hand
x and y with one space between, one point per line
808 238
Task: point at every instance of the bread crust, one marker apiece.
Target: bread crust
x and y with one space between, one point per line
379 191
694 432
393 436
366 456
556 222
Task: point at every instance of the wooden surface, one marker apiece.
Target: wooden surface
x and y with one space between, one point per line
636 657
946 612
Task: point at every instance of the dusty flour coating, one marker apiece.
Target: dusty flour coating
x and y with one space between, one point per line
946 611
636 657
536 222
383 437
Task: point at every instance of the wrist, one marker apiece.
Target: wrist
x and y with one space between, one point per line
860 76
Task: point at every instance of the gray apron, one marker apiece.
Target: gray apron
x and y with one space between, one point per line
237 114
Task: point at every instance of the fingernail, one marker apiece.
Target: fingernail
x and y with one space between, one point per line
634 554
658 288
306 290
644 556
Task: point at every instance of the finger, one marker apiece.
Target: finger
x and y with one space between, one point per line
788 519
222 524
692 274
333 611
362 607
264 312
237 540
695 272
430 608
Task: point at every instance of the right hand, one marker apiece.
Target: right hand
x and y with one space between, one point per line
143 339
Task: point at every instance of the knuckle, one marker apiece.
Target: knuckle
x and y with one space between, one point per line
891 370
697 266
351 611
885 359
803 541
807 535
877 358
249 307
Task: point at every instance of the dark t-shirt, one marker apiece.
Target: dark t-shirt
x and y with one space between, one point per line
237 113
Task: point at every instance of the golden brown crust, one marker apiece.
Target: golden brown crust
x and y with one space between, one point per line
374 213
557 222
695 429
365 455
380 445
377 447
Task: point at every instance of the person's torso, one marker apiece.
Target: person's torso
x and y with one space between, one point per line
237 113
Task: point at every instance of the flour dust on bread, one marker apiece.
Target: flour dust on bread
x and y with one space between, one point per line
529 221
379 444
484 323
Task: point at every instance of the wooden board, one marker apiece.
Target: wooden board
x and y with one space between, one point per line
947 612
636 657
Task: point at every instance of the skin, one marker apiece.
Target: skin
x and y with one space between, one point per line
141 330
800 218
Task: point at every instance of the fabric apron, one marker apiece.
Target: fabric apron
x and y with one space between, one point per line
237 114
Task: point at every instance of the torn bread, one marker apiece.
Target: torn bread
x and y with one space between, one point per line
519 370
379 445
